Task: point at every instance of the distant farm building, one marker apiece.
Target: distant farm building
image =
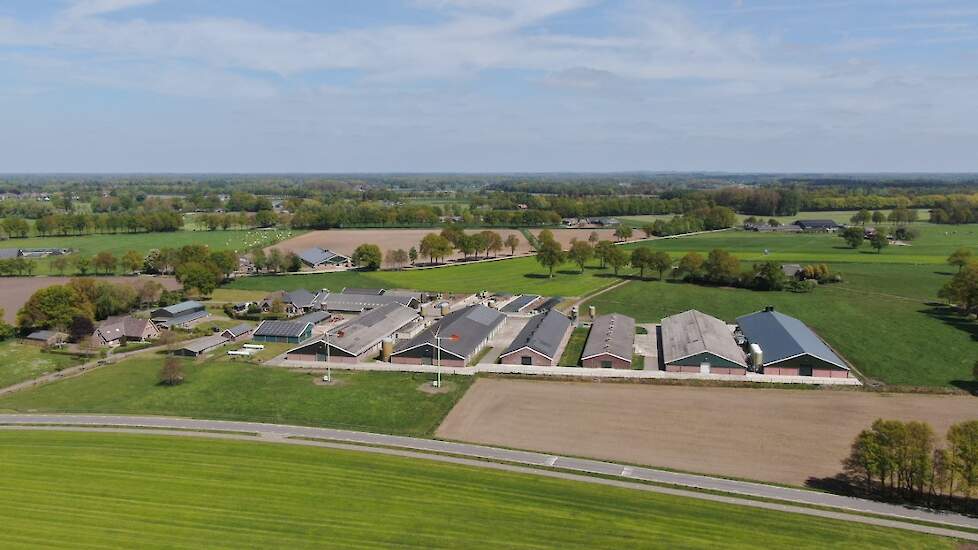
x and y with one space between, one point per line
784 345
46 338
178 315
698 343
358 303
817 225
539 341
200 346
360 339
464 334
318 257
286 332
610 342
237 332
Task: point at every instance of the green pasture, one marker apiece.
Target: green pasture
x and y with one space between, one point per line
20 361
85 490
221 389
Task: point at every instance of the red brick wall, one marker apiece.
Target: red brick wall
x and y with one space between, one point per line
417 361
830 373
516 358
595 362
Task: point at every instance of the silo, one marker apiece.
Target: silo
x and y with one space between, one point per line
387 349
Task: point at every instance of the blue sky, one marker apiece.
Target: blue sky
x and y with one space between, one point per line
488 85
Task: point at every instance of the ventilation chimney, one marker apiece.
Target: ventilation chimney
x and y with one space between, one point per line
769 308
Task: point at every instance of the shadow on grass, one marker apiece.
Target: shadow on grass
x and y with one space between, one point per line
970 386
950 316
943 273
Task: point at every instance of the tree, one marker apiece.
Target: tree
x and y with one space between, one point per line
878 241
80 327
512 242
603 251
960 257
660 262
368 256
292 262
171 374
59 264
853 236
83 264
623 232
962 289
6 329
721 266
195 275
549 254
617 258
690 266
641 260
53 307
105 262
862 217
413 255
878 217
769 276
131 261
226 262
962 439
258 259
148 291
435 246
649 229
580 252
275 260
593 238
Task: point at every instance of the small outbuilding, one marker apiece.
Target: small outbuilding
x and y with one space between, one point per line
695 342
46 338
200 346
610 343
539 342
786 346
459 336
319 257
237 332
179 315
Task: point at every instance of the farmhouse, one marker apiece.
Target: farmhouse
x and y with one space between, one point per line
200 346
237 332
784 345
610 342
178 315
288 332
696 342
113 332
358 340
318 257
464 333
539 341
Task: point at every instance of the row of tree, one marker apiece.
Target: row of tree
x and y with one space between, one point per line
75 306
895 459
86 224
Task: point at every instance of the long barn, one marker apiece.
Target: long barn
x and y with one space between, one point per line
786 346
698 343
358 340
464 333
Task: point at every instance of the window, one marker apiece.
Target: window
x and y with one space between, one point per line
805 370
606 364
526 360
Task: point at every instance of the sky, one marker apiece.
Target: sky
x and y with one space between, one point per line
488 85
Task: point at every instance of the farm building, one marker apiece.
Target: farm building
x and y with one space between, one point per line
784 345
178 315
237 332
46 338
200 346
373 291
464 333
539 341
318 257
315 317
113 332
358 340
817 225
696 342
286 332
520 303
358 303
610 342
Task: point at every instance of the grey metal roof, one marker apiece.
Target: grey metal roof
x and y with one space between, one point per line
472 325
816 223
243 328
177 309
201 345
542 334
549 304
613 334
374 291
781 337
281 329
299 297
313 256
363 302
181 319
692 332
42 335
519 304
8 253
314 317
367 330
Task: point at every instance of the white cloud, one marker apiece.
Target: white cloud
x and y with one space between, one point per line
91 8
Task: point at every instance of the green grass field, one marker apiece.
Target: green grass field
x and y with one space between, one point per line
221 389
19 362
893 339
840 216
575 346
119 244
519 275
83 490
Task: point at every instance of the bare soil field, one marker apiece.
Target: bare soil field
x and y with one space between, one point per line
14 291
781 436
345 241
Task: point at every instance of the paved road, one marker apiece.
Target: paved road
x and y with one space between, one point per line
409 446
